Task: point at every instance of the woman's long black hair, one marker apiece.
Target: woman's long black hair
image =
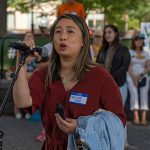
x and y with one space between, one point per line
105 44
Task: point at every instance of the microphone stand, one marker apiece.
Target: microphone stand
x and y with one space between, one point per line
22 59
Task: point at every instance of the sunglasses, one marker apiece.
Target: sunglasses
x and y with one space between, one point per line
97 36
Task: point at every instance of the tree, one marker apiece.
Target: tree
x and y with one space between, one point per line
24 5
118 14
115 12
3 17
90 4
142 15
124 14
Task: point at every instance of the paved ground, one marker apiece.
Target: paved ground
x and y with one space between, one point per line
138 137
19 135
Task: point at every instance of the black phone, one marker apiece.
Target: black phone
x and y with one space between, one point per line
60 110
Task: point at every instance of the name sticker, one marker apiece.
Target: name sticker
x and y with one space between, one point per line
78 98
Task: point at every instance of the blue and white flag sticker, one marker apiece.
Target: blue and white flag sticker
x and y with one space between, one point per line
78 98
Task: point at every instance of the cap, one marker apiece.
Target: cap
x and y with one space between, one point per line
139 36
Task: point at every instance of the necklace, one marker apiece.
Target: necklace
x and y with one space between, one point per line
64 80
68 82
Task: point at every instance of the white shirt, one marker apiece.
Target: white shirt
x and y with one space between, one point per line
138 62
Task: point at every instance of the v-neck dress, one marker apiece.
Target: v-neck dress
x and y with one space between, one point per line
97 84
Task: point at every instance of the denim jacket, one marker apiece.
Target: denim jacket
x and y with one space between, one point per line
100 131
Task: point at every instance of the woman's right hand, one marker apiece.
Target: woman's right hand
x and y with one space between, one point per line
135 80
31 45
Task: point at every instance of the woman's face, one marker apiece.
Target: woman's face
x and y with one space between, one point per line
97 39
109 35
138 43
67 38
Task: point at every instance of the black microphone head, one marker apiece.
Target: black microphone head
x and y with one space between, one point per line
19 46
24 48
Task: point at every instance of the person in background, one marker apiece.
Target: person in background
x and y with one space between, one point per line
138 70
71 7
96 44
115 58
70 75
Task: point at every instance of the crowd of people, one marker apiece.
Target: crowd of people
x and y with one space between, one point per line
86 78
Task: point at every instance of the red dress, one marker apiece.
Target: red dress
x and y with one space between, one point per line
102 92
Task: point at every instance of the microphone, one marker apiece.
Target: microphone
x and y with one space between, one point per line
25 48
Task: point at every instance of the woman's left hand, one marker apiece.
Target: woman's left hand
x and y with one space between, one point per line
68 125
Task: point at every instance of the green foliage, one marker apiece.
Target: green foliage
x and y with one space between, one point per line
24 5
134 24
90 4
114 10
143 11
